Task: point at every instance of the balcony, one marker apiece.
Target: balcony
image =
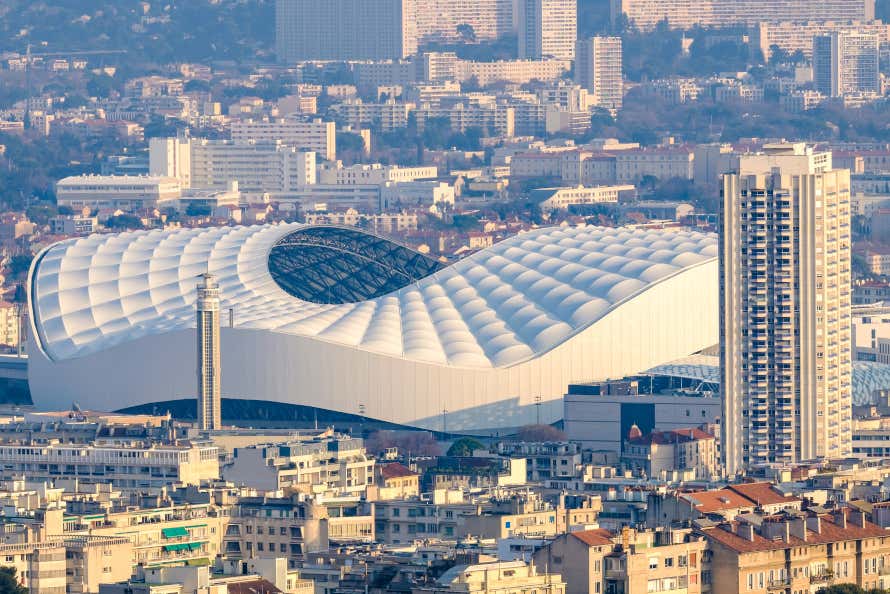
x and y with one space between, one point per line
778 585
822 578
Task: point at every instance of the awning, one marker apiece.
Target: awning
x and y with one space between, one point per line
176 547
202 561
194 545
174 532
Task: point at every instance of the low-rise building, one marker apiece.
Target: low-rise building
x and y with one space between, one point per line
550 199
660 452
116 192
495 578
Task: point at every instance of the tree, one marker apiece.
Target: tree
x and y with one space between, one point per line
413 443
8 583
20 264
197 210
100 86
540 433
467 33
40 214
124 221
841 589
465 446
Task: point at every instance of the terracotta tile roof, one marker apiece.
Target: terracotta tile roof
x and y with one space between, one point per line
830 532
594 538
714 501
395 470
762 493
675 436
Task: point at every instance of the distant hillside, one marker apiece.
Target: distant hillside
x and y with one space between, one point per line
152 32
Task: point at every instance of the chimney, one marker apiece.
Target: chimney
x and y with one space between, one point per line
857 518
840 519
798 528
746 531
814 524
775 530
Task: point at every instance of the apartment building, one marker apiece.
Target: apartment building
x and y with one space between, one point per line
316 135
9 324
632 562
547 29
123 192
545 460
345 30
659 162
796 552
125 465
266 527
795 36
374 174
490 117
661 452
785 310
377 223
495 578
847 63
386 117
73 225
445 20
565 198
685 14
257 167
328 464
511 71
598 68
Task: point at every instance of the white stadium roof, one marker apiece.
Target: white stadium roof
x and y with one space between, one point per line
327 317
497 307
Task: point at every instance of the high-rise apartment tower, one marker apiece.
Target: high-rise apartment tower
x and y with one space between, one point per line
847 63
598 69
785 308
547 29
209 402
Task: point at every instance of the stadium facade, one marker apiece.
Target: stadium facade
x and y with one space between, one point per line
343 320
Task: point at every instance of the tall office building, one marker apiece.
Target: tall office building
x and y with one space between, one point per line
684 14
547 28
598 69
345 29
785 308
209 402
847 63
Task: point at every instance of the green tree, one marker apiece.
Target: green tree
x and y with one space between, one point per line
20 264
124 221
465 446
8 583
197 210
841 589
467 33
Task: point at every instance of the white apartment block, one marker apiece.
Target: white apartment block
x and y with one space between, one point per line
511 71
415 194
491 118
685 14
871 333
598 68
258 167
126 466
386 117
316 135
440 19
124 192
378 223
675 90
373 174
662 163
847 63
385 73
345 30
563 198
9 324
547 28
785 309
796 36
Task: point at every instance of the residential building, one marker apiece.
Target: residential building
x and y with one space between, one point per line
785 309
686 14
444 20
598 68
871 333
660 162
390 223
634 562
547 29
511 71
73 224
550 199
345 30
490 117
385 117
847 63
796 552
10 320
495 578
126 466
796 36
396 481
331 463
545 460
660 452
316 135
116 192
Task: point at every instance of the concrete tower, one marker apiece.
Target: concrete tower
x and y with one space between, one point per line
209 417
785 309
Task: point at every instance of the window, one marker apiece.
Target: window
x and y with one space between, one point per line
669 562
653 562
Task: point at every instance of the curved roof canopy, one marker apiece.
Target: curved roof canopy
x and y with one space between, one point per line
495 308
328 264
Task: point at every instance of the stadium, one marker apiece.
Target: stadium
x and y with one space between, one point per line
342 320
